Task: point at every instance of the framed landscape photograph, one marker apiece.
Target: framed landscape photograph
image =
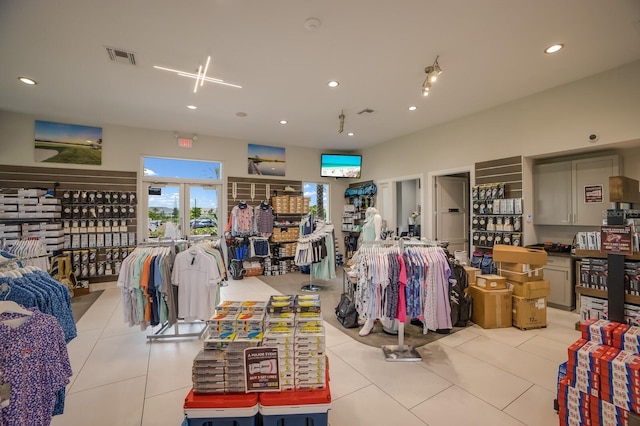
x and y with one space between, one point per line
67 143
266 160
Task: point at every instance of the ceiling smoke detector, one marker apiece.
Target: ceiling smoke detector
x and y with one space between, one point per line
312 24
121 56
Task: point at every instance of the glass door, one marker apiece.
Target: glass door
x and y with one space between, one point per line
178 210
204 208
164 211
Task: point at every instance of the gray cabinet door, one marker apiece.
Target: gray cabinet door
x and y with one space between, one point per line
561 288
591 176
552 189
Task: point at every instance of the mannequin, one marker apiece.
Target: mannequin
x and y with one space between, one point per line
371 229
372 226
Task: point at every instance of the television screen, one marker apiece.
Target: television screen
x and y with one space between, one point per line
340 165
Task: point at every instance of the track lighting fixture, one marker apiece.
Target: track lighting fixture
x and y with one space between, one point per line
341 119
432 71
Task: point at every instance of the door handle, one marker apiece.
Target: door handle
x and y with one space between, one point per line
454 210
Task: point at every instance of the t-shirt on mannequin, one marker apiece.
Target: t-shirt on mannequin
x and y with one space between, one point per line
371 229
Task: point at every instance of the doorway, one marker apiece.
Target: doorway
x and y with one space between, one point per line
399 201
451 212
179 210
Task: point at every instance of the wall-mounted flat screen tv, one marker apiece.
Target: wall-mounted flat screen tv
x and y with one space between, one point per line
340 165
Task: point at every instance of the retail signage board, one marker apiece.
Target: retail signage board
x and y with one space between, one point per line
261 369
593 194
616 239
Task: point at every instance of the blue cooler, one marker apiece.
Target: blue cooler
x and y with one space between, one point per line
233 409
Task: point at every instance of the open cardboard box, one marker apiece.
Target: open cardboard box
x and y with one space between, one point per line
515 254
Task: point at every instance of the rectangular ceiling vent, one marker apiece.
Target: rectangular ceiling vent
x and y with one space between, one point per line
121 56
366 111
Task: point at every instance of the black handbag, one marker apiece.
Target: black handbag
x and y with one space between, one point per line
346 312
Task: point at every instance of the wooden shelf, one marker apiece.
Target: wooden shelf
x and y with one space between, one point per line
599 255
602 294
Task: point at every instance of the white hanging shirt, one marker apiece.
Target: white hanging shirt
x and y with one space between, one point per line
196 274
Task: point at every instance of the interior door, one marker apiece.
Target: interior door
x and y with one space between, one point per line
452 216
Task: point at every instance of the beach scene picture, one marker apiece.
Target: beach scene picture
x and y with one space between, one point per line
67 143
266 160
340 166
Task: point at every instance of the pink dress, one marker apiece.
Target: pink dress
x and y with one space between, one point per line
402 302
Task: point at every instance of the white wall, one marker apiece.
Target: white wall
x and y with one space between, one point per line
552 122
123 148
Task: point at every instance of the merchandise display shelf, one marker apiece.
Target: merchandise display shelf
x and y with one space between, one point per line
599 255
602 294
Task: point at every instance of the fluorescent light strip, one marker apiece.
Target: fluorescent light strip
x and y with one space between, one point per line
206 67
195 89
188 74
191 75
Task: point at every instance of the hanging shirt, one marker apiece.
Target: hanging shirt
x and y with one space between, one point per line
197 276
35 362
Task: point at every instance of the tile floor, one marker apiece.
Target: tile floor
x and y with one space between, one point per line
473 377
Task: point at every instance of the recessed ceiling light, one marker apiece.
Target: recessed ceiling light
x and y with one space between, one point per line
333 84
192 107
283 121
241 114
350 134
554 48
27 80
413 108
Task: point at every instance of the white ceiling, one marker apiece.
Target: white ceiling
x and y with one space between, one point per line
491 52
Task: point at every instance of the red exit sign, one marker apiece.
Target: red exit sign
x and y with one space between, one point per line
185 143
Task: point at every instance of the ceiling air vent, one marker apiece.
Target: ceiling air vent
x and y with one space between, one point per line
366 111
121 56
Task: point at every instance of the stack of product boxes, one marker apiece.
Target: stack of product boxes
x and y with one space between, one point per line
594 273
279 267
593 307
524 272
31 205
208 373
602 386
309 346
293 324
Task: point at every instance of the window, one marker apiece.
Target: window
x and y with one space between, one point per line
183 197
182 169
319 194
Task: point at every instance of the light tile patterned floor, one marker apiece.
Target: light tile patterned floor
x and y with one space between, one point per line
476 376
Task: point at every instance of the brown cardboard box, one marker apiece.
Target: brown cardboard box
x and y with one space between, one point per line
530 289
529 313
515 254
520 272
491 308
472 273
491 282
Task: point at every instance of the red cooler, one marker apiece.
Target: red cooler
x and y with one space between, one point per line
235 409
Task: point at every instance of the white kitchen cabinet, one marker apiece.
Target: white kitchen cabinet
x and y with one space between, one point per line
574 192
558 272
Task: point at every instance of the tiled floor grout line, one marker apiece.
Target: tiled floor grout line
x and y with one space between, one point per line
517 398
108 384
432 396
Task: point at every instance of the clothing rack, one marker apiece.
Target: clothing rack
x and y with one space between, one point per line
320 230
160 333
400 352
18 259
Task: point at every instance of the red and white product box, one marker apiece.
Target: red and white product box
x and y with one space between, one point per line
585 354
627 337
599 331
584 380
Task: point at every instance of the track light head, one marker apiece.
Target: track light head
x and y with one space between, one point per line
432 71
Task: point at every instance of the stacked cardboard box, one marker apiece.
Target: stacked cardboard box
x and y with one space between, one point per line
602 386
523 270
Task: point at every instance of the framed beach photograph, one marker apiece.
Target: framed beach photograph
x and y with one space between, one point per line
266 160
67 143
